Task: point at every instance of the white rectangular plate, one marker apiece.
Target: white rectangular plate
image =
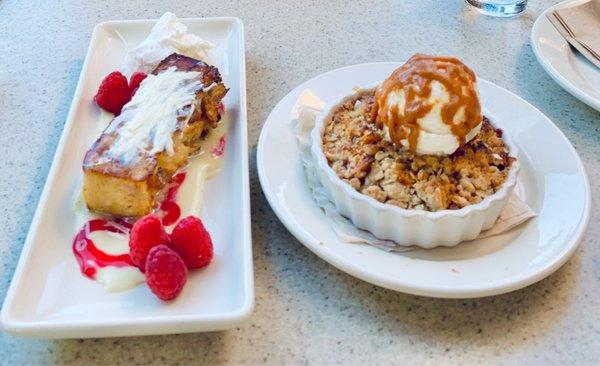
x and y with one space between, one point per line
50 298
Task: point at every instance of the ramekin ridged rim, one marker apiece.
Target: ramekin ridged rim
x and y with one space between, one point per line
321 163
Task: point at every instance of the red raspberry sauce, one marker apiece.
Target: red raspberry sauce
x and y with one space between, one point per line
89 257
219 149
169 209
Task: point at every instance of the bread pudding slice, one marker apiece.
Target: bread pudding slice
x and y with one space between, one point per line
128 168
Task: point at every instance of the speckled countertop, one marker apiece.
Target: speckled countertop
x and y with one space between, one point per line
307 312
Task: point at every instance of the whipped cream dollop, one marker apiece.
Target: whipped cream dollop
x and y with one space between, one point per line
167 36
430 105
149 119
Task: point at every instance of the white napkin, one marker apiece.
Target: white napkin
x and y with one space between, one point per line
580 26
303 117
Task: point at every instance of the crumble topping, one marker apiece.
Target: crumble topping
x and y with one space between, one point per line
357 152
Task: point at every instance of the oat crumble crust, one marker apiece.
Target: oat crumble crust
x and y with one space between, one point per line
358 154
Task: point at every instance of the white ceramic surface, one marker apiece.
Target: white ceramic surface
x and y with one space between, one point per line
49 297
562 62
409 227
552 182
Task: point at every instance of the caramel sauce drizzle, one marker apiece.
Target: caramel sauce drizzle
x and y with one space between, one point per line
415 77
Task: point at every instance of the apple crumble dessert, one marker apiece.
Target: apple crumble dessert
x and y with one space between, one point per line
360 152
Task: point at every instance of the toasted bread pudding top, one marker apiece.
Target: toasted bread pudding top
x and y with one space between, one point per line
171 110
359 154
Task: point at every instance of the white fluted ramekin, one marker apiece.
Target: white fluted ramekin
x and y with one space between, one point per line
408 226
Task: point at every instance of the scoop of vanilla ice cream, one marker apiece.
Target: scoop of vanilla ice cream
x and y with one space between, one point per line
435 137
167 36
429 105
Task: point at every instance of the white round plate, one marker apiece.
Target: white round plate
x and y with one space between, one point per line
566 66
552 181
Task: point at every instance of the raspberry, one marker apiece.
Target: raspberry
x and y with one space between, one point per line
146 233
113 93
135 80
165 272
192 242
